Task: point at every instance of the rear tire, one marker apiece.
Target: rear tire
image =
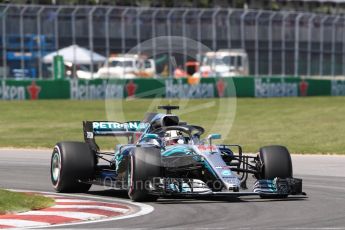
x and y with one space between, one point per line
276 161
71 162
144 164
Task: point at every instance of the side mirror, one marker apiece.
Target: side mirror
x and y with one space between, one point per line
214 136
151 136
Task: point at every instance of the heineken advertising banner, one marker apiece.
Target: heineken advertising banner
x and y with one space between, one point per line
169 88
26 89
291 87
338 88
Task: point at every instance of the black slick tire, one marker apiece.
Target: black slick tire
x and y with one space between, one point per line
71 162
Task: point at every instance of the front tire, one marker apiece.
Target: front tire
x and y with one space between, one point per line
70 163
144 165
276 162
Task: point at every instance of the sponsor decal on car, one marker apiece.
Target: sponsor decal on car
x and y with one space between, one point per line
226 172
89 135
207 148
116 126
222 167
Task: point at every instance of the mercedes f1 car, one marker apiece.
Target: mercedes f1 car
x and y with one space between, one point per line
167 157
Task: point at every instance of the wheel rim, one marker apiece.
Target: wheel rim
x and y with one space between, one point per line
56 167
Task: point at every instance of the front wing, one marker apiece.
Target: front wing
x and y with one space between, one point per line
265 188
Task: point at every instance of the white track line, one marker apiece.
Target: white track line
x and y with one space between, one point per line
74 200
122 210
52 196
22 223
69 214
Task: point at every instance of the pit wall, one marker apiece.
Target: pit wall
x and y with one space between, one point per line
170 88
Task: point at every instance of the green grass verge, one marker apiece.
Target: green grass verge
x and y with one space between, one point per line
304 125
12 202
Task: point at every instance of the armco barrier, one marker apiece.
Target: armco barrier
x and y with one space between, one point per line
169 88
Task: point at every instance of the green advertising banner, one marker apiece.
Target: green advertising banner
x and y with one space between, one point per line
169 88
33 90
291 87
59 67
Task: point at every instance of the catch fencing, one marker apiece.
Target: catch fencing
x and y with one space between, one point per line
277 42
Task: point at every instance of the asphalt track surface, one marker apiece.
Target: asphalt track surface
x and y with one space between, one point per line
323 180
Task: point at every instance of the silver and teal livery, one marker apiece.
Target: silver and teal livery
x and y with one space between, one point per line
171 158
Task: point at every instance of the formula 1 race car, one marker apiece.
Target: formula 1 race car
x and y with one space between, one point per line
167 157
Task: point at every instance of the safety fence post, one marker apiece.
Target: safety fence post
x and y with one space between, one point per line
297 32
214 30
270 45
91 45
4 44
171 12
257 59
283 48
123 30
201 12
22 46
184 34
39 45
56 28
106 32
334 30
321 44
243 37
139 11
228 27
310 25
153 31
74 40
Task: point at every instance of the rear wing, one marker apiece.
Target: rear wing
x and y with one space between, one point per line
130 129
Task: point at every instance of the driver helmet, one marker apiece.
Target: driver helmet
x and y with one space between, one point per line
153 142
173 137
